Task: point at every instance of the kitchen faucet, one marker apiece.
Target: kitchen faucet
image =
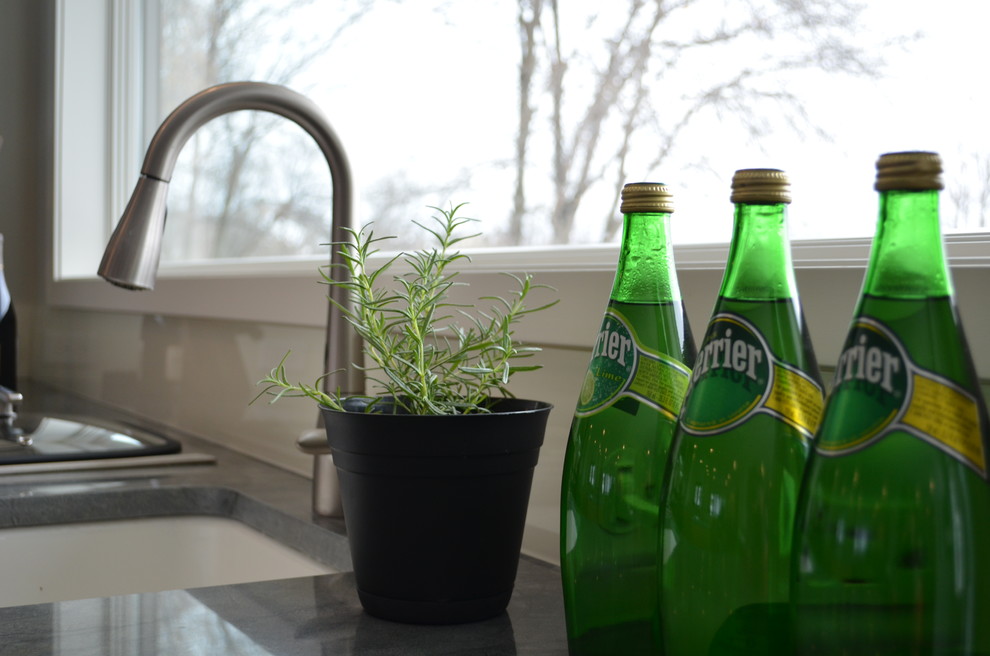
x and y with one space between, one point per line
133 252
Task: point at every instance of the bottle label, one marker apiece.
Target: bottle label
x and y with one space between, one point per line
622 367
878 389
737 376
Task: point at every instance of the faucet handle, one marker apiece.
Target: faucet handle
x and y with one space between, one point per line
8 399
9 396
314 442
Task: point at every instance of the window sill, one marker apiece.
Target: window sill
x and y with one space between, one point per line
288 291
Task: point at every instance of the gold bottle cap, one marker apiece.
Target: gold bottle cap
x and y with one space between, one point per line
650 197
761 187
910 171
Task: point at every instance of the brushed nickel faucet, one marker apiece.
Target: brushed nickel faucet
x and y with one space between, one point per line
134 250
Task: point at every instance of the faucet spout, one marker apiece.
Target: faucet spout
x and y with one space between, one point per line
132 255
134 250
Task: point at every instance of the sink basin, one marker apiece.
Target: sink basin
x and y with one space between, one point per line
99 559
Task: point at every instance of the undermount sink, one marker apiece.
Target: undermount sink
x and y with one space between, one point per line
98 559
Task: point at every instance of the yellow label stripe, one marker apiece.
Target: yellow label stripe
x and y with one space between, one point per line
947 415
660 382
796 398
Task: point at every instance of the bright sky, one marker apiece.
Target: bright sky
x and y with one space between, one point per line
427 97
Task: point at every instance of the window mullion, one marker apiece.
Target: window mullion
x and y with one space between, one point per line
126 115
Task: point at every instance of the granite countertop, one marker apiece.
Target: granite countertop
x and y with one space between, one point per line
311 615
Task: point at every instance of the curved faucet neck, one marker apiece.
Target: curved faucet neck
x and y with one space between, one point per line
132 255
187 118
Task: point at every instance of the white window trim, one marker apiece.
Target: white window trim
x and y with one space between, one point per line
99 147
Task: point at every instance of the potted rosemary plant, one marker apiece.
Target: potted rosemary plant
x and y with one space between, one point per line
436 461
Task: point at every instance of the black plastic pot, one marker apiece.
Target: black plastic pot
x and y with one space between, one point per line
435 507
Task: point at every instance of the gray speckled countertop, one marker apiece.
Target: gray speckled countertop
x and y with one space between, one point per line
313 615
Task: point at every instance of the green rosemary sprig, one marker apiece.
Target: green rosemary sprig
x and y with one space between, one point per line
431 355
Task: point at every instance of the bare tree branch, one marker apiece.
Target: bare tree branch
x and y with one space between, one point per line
528 19
642 54
220 43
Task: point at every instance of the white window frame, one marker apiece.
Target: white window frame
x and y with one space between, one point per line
98 151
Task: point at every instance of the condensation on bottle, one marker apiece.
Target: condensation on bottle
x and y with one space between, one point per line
741 444
627 408
892 536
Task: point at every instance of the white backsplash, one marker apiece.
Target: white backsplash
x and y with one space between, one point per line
200 376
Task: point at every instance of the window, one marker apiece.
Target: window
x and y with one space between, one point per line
536 113
103 62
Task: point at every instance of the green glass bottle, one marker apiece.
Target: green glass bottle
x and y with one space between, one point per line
619 438
892 536
741 445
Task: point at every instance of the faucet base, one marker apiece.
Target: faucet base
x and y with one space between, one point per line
326 486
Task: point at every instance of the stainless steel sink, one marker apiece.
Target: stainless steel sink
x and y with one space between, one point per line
52 437
36 437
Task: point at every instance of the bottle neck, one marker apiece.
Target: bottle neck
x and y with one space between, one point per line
759 266
907 259
645 272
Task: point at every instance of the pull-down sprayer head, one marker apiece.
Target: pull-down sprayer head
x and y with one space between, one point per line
132 255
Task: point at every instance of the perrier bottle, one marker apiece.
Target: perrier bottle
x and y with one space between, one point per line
741 445
619 438
892 537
